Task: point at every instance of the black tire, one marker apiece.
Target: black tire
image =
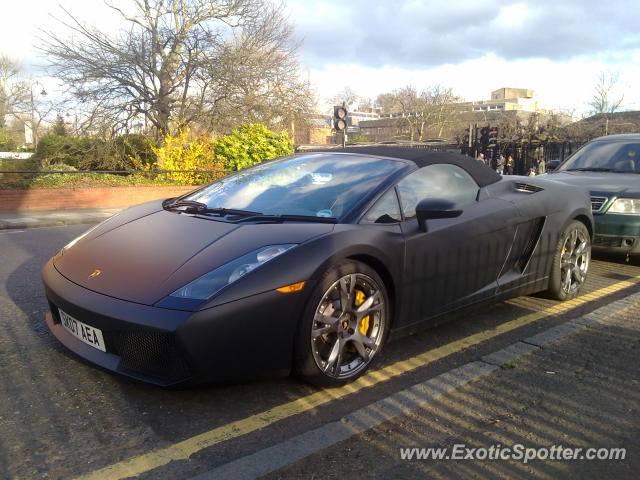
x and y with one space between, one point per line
571 257
342 328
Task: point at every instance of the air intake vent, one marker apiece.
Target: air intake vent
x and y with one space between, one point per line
150 353
597 203
526 188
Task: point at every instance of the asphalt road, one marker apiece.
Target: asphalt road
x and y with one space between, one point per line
62 418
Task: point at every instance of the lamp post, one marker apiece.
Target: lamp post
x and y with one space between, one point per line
34 129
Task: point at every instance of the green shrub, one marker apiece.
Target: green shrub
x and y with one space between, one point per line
58 167
7 144
72 151
136 148
126 152
55 179
358 138
250 144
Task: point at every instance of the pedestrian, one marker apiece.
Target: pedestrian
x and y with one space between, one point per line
542 166
500 164
508 169
532 172
480 157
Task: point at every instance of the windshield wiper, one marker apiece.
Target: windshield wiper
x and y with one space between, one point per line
191 206
228 211
188 204
285 217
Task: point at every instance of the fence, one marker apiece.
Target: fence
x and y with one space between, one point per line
526 155
13 176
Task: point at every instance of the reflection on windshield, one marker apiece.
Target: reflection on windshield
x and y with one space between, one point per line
606 156
323 185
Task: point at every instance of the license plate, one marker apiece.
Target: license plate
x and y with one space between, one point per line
89 335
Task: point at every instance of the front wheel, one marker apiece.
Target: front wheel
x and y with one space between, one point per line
344 326
570 262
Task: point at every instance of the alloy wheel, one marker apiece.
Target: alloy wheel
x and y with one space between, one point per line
574 261
348 326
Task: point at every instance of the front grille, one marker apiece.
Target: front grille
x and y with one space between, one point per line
151 353
607 241
597 203
526 187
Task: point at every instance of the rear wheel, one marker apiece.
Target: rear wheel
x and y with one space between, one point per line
344 326
570 262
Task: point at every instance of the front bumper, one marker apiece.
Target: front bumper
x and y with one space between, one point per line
617 233
239 340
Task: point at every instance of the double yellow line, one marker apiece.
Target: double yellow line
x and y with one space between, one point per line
184 449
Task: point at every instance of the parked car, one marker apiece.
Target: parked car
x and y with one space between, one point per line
610 168
308 262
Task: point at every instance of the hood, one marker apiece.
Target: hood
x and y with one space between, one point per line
610 183
145 259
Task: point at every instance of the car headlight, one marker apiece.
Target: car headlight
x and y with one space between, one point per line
625 205
211 283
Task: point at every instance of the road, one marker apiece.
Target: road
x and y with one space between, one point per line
62 418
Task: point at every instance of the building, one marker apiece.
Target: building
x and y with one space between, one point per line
505 104
314 129
505 99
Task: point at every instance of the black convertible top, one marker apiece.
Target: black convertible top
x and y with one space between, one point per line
482 174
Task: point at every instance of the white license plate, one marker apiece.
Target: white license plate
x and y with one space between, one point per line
89 335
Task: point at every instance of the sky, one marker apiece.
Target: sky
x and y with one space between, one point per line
556 48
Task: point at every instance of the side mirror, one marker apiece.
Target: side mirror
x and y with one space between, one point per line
432 208
552 165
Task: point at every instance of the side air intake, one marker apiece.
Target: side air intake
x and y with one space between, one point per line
526 187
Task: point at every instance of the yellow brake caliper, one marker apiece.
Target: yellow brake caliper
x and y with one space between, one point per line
364 323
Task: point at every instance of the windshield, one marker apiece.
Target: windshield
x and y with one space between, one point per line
321 185
605 156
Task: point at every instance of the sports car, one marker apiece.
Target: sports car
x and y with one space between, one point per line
309 263
610 168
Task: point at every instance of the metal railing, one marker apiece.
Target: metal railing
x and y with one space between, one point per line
16 176
113 172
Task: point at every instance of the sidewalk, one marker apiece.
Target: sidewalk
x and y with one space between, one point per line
576 385
48 218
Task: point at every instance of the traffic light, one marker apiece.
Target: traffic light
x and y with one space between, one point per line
340 118
484 136
493 136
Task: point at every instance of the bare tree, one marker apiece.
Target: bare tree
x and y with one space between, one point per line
604 99
14 89
441 111
406 107
346 96
431 110
257 78
178 62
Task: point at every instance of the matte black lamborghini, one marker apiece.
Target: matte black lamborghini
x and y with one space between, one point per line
308 262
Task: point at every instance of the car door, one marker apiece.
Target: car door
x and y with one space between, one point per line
457 261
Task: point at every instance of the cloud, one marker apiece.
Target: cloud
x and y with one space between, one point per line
422 34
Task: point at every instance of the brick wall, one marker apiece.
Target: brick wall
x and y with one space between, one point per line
59 198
